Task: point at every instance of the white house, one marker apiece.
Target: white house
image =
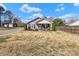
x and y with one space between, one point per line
40 24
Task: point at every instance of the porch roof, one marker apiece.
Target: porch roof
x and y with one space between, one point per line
44 22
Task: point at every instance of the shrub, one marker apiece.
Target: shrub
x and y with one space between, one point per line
56 22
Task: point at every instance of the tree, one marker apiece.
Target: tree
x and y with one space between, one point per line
1 13
6 21
18 21
57 22
9 15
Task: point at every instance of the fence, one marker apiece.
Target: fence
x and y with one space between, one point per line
71 29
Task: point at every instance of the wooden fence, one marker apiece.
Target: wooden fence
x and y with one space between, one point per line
71 29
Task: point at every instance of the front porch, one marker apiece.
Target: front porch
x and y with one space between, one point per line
44 26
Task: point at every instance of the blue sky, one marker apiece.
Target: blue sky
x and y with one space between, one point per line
27 10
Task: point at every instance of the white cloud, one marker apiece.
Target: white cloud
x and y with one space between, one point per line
48 16
76 4
36 15
29 9
60 8
3 6
67 17
57 10
60 5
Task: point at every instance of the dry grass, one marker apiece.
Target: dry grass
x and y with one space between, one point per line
36 43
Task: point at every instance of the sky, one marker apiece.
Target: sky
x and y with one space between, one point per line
27 11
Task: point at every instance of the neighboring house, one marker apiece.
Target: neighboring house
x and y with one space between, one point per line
76 23
14 22
9 25
40 24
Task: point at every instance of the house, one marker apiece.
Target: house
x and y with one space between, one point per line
40 24
76 23
9 25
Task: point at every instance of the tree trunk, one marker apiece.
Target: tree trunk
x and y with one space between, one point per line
0 21
0 18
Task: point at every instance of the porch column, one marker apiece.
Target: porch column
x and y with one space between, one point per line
50 26
45 25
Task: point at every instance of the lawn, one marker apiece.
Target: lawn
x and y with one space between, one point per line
3 38
41 43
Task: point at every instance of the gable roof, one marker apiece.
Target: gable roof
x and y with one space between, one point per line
33 20
46 20
40 19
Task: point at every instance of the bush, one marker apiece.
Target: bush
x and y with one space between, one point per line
56 22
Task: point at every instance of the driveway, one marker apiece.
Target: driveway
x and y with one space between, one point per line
4 32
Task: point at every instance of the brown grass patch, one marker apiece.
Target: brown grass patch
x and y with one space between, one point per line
41 43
